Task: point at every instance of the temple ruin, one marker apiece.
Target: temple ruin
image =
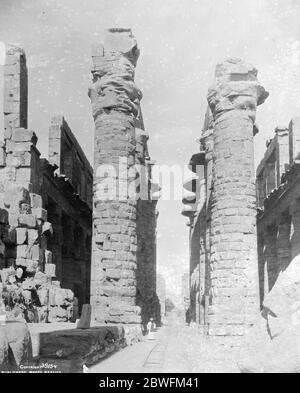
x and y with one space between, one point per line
46 211
65 241
222 212
277 182
124 216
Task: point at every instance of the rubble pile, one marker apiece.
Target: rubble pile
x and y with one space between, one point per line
28 286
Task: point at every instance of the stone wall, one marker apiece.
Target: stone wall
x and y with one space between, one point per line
278 219
66 188
32 194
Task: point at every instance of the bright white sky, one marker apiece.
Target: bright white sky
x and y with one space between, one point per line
180 43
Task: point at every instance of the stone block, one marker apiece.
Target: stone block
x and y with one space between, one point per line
23 135
5 273
18 159
60 314
43 295
47 228
63 296
27 220
31 266
48 256
85 345
15 195
33 236
11 120
19 342
41 214
20 262
35 253
36 201
22 251
50 269
21 235
12 147
40 279
85 319
24 175
114 273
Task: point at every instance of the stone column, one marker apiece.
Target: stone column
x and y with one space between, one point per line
115 103
207 145
235 296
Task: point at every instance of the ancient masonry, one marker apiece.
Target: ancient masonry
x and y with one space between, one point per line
278 219
46 212
123 285
224 278
48 238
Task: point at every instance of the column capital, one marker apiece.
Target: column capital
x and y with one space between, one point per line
236 88
113 67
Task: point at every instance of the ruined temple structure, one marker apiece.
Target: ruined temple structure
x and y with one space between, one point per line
123 272
278 219
220 202
45 211
63 242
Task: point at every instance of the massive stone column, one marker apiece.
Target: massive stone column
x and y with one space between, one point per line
234 276
115 105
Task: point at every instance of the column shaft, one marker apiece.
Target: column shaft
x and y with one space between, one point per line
234 271
115 102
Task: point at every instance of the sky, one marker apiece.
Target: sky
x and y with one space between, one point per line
180 42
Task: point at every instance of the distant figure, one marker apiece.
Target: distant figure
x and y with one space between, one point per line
151 326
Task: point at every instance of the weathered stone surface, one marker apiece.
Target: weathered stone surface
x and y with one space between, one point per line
15 195
273 343
233 100
86 345
24 179
85 319
27 220
23 135
19 341
115 105
50 269
21 235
